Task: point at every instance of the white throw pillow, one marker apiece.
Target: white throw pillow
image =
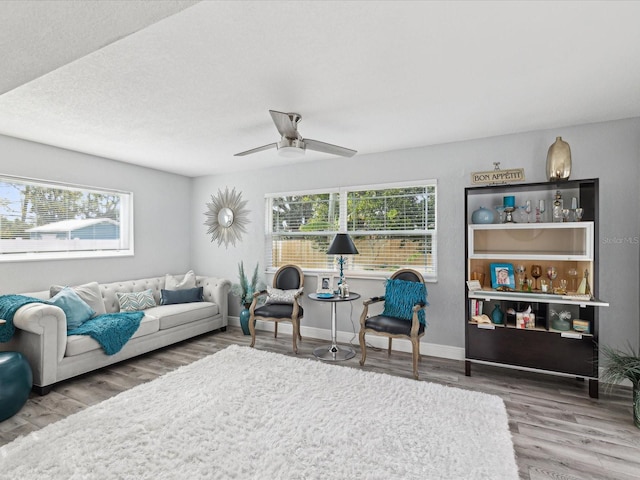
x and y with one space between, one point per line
89 292
275 295
180 282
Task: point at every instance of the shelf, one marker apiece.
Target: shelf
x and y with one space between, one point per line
570 247
532 241
489 295
571 334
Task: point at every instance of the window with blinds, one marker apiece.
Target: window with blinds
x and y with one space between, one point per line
393 226
46 220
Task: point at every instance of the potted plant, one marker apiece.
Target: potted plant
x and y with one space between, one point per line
624 365
245 290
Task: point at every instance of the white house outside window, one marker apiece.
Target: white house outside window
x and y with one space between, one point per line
46 220
392 225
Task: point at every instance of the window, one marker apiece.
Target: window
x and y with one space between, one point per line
393 227
45 220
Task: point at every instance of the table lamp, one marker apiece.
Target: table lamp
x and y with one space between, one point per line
342 245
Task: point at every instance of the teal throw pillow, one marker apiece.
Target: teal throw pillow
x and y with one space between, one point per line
76 310
187 295
400 297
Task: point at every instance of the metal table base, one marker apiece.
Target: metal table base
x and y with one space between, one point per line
335 352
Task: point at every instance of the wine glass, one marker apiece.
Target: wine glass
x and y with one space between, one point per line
552 274
536 273
542 210
563 286
527 208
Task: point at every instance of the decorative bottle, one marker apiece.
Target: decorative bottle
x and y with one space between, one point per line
497 316
559 160
557 208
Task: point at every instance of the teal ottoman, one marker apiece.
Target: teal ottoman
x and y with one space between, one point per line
16 381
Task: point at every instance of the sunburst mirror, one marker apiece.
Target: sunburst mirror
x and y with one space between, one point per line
227 217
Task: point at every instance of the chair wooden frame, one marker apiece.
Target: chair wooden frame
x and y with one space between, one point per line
295 314
414 335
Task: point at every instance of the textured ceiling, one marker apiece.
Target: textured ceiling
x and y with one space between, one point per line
182 86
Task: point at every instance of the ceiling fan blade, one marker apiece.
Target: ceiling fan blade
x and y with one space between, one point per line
256 150
286 125
328 148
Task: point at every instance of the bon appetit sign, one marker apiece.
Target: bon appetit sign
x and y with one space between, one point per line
512 175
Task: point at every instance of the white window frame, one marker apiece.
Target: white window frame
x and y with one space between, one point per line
343 205
126 225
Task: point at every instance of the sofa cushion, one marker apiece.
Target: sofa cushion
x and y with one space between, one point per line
75 309
109 290
135 301
77 344
188 295
180 282
179 314
89 292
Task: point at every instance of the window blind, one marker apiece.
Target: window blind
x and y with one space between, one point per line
40 219
393 227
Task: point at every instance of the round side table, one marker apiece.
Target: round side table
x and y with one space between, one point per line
334 352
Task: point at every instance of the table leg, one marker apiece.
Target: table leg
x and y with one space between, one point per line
334 352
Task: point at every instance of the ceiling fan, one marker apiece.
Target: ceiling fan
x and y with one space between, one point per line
292 144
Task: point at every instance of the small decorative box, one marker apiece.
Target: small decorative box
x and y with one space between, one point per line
581 326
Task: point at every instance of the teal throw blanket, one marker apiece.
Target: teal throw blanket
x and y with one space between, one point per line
9 305
111 330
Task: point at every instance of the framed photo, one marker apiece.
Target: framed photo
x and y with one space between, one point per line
325 284
502 275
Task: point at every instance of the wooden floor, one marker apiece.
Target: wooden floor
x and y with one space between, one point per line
558 431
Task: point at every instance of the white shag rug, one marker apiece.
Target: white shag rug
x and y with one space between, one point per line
247 414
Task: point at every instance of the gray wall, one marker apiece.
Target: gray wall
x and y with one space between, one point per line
161 227
167 240
609 151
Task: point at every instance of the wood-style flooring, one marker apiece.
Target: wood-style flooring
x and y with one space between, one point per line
558 431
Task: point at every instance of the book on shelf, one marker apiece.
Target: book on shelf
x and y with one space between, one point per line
476 307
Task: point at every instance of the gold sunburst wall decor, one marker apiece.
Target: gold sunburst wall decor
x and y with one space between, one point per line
227 217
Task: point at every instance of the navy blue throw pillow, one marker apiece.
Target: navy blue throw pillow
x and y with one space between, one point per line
188 295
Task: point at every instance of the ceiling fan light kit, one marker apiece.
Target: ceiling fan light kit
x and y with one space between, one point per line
291 148
291 143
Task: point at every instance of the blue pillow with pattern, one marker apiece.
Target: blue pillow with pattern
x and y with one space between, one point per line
400 296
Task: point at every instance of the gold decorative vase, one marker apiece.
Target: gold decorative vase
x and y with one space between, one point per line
559 161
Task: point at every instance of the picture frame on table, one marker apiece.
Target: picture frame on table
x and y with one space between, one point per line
502 275
325 284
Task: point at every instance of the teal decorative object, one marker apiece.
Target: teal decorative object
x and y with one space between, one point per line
245 314
16 381
111 330
497 316
400 297
482 215
245 289
9 305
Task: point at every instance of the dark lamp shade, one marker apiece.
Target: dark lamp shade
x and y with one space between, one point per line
342 245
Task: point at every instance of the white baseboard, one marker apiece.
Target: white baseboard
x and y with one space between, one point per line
400 345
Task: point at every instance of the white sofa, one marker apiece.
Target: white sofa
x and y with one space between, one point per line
41 329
